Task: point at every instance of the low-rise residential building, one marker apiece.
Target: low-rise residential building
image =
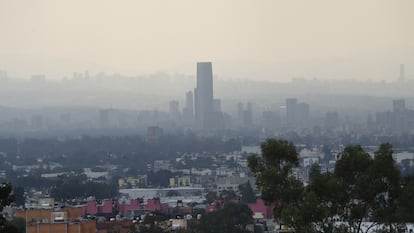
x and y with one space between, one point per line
56 220
162 165
231 183
98 208
40 203
67 227
147 193
133 182
131 207
180 181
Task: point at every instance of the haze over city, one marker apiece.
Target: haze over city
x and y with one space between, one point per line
263 40
217 116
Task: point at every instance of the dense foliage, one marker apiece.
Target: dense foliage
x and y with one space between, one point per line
272 172
6 198
78 186
247 193
360 189
25 160
124 150
233 217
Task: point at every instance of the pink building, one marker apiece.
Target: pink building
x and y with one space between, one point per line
135 204
106 207
261 208
156 205
93 208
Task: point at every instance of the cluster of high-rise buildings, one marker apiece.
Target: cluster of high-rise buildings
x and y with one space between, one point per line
202 111
399 120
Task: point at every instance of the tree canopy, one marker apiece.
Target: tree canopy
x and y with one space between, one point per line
360 188
233 217
6 198
273 173
75 186
247 193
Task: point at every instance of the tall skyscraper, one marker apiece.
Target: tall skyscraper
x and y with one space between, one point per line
188 111
398 105
217 105
402 72
297 113
302 114
291 107
189 102
174 110
203 94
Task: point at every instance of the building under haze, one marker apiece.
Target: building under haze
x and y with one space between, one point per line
399 120
174 110
203 95
291 106
188 110
399 105
297 113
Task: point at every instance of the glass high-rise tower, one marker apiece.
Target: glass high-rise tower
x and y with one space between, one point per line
203 96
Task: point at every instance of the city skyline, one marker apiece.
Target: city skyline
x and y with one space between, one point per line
204 95
206 116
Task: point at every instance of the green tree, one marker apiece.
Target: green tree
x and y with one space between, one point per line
160 178
19 198
352 169
385 183
303 216
247 193
372 187
74 186
317 208
210 197
17 225
228 195
232 218
330 195
273 173
361 187
6 198
405 202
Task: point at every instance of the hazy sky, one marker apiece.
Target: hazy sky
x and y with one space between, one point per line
261 39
